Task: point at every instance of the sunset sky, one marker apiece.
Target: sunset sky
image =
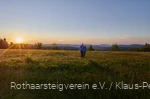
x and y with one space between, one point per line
76 21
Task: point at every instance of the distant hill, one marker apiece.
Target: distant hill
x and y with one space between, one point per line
100 47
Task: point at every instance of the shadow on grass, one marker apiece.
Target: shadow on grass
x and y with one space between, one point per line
72 73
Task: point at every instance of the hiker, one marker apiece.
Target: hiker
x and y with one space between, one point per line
82 50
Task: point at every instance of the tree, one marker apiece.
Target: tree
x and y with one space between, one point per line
146 48
90 48
54 47
3 43
11 43
38 45
115 47
146 45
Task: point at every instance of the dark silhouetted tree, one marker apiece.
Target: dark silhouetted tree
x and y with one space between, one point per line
11 43
38 45
91 48
115 47
53 47
146 45
3 43
146 48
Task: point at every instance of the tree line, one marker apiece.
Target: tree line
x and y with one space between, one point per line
4 45
55 47
145 48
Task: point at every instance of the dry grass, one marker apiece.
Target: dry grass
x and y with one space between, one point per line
44 66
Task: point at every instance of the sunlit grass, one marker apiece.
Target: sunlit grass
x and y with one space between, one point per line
43 66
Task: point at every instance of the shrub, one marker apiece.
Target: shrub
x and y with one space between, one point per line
90 48
115 47
54 47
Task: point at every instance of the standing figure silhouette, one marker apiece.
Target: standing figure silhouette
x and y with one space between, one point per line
83 50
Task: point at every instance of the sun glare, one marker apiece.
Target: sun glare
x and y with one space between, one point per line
19 40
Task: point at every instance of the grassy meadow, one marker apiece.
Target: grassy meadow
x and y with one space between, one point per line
47 66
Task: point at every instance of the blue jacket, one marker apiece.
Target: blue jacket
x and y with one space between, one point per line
83 48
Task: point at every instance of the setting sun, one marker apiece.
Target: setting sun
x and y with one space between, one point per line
19 40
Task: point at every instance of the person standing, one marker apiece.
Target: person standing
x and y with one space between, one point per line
83 50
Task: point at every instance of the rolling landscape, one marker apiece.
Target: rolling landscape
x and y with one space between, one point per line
74 49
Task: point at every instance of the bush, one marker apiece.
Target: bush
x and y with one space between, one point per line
90 48
38 45
54 47
29 59
115 47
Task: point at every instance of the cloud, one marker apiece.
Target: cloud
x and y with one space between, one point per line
124 37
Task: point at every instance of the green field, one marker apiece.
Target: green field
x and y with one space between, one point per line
67 67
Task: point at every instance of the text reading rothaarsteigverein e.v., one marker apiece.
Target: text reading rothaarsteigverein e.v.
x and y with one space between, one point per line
57 86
